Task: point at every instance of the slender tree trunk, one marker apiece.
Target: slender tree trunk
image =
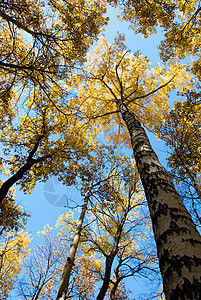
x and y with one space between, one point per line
41 285
196 187
106 280
114 289
192 179
111 256
63 286
26 167
13 179
177 239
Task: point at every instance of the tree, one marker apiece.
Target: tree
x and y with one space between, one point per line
91 180
117 233
113 87
64 282
43 40
59 35
179 20
114 216
13 251
41 44
12 216
44 142
42 268
181 132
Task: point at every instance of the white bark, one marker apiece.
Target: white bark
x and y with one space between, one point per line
63 286
177 239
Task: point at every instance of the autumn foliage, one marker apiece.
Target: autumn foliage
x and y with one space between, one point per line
76 106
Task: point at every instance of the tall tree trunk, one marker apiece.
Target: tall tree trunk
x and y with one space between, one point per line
63 286
106 280
177 239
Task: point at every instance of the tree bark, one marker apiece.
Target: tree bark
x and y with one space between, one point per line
106 280
20 25
177 239
63 286
114 289
13 179
26 167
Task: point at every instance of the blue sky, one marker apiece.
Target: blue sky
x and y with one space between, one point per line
147 46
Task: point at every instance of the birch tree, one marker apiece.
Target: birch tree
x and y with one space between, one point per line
91 180
115 89
113 216
64 282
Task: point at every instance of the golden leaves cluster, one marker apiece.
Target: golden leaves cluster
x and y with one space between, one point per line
179 20
181 131
113 75
13 251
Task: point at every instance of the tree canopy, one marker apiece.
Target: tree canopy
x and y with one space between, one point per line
63 86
